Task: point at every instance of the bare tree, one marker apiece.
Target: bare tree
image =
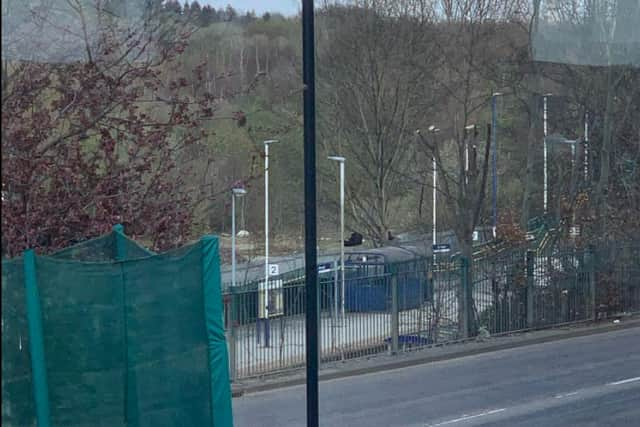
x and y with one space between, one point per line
603 84
371 99
468 49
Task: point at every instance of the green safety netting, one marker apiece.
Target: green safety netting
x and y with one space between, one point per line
104 248
106 333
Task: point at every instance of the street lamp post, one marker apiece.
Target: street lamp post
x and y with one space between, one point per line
546 179
573 159
434 166
341 161
434 171
236 192
466 151
434 237
266 240
586 147
559 139
494 165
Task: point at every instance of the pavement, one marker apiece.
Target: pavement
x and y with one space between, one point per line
577 376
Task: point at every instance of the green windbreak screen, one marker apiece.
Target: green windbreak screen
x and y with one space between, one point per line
137 342
98 249
103 248
134 250
83 325
17 387
168 359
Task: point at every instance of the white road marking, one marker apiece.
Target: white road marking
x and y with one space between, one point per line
468 417
563 395
557 396
628 380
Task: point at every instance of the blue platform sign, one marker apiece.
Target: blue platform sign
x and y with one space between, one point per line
323 268
441 248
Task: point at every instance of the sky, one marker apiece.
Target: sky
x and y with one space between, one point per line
285 7
57 46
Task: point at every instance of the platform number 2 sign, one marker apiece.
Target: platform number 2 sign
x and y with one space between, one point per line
274 270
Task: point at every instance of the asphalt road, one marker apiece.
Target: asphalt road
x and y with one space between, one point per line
585 381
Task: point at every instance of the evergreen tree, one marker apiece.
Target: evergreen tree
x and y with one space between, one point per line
196 10
230 13
173 6
207 15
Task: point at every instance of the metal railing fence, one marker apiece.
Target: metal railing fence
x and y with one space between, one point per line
417 303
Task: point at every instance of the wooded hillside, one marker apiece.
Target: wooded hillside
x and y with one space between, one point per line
161 111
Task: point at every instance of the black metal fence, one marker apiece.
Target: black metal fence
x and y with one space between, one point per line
417 303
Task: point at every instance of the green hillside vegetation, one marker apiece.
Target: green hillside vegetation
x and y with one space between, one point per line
386 70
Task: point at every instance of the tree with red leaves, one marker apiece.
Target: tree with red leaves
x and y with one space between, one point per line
90 137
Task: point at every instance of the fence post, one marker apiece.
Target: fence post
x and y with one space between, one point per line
465 303
232 335
334 312
36 340
591 251
395 324
530 288
564 306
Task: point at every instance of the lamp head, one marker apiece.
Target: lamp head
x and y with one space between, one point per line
337 158
270 141
239 192
559 139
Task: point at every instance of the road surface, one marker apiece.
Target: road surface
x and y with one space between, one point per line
585 381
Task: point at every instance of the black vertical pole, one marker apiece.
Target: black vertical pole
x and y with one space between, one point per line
310 241
494 164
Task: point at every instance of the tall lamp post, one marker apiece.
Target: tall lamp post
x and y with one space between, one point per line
434 230
434 166
546 176
586 147
559 139
494 165
468 128
267 143
341 161
434 171
236 192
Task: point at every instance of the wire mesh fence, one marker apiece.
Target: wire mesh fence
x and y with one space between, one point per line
398 306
